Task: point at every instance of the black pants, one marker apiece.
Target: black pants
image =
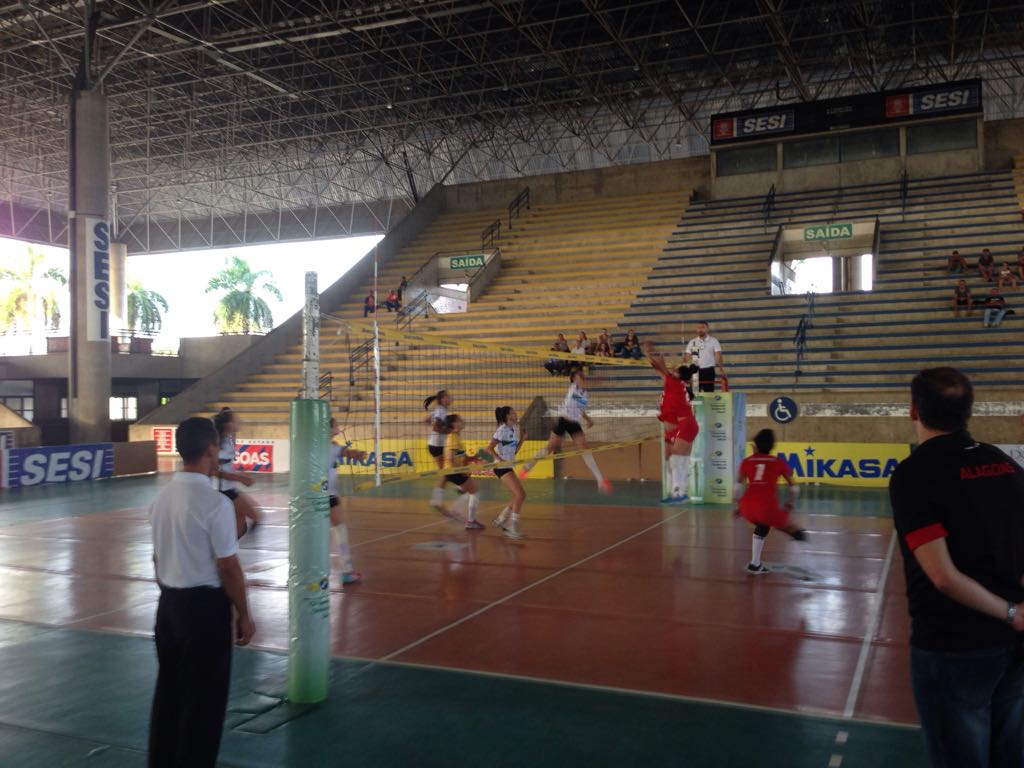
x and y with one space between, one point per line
706 379
193 648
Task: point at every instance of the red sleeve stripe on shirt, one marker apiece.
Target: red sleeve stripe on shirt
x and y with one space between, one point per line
924 535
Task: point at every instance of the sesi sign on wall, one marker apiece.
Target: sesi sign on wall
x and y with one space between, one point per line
24 467
931 102
725 128
97 239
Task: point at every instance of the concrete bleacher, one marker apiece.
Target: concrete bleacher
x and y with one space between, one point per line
716 268
565 265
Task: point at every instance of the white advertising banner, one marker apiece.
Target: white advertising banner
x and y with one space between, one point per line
724 430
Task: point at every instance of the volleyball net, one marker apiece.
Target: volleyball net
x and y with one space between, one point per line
386 417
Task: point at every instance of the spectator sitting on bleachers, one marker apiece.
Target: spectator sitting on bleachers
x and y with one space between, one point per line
605 338
985 264
582 345
995 309
1006 277
556 365
630 347
369 305
603 349
962 298
956 263
392 301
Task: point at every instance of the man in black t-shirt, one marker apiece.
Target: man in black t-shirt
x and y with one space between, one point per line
958 507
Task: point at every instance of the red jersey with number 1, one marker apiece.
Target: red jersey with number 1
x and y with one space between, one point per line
762 473
674 403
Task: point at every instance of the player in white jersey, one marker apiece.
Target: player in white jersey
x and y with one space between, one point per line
227 481
339 531
572 412
440 401
505 445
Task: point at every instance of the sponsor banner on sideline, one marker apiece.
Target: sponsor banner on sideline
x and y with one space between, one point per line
398 456
24 467
860 465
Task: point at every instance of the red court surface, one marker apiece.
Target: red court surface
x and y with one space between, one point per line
643 598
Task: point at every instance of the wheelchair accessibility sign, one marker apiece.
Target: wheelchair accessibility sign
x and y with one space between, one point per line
782 410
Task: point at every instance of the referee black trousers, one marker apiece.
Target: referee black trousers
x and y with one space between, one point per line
193 648
706 379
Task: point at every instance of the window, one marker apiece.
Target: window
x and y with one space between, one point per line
756 159
869 145
124 408
800 154
942 137
23 406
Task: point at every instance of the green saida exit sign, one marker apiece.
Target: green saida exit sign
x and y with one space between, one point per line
828 232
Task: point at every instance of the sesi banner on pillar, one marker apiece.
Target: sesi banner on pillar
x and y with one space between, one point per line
96 236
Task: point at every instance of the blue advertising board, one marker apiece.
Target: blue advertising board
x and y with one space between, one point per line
25 467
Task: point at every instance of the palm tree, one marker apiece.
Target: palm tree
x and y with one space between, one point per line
30 301
143 310
240 310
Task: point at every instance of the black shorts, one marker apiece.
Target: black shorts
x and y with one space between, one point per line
231 493
437 451
334 501
963 302
563 425
458 479
500 472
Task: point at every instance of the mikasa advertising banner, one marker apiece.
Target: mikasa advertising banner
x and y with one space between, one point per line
859 465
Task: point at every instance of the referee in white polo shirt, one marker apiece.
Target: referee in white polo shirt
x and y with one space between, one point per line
195 551
704 351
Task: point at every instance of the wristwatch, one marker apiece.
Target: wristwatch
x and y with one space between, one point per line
1011 613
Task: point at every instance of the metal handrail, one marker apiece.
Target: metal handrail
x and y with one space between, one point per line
775 246
359 358
904 189
326 384
800 338
769 203
491 233
515 207
877 239
420 305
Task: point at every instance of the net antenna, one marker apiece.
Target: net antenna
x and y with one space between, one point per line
376 379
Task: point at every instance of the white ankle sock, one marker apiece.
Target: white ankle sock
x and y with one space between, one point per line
756 548
588 459
684 474
537 457
343 548
675 464
437 496
474 504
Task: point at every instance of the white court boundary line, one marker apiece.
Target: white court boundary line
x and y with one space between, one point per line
869 634
479 611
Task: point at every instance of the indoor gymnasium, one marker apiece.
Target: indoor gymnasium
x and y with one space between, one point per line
506 383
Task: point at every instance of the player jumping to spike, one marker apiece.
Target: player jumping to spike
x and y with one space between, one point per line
572 412
681 426
760 503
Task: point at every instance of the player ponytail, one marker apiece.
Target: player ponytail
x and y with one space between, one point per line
686 372
224 417
764 441
436 396
501 414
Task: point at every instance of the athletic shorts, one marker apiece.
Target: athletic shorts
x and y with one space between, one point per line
774 516
437 451
963 302
334 501
563 425
500 472
458 479
231 493
685 428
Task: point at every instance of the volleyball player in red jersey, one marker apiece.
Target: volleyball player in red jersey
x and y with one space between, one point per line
681 427
760 503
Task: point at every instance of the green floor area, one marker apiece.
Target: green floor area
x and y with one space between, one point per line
72 698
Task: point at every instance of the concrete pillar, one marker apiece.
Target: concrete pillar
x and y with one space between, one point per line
89 241
118 288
